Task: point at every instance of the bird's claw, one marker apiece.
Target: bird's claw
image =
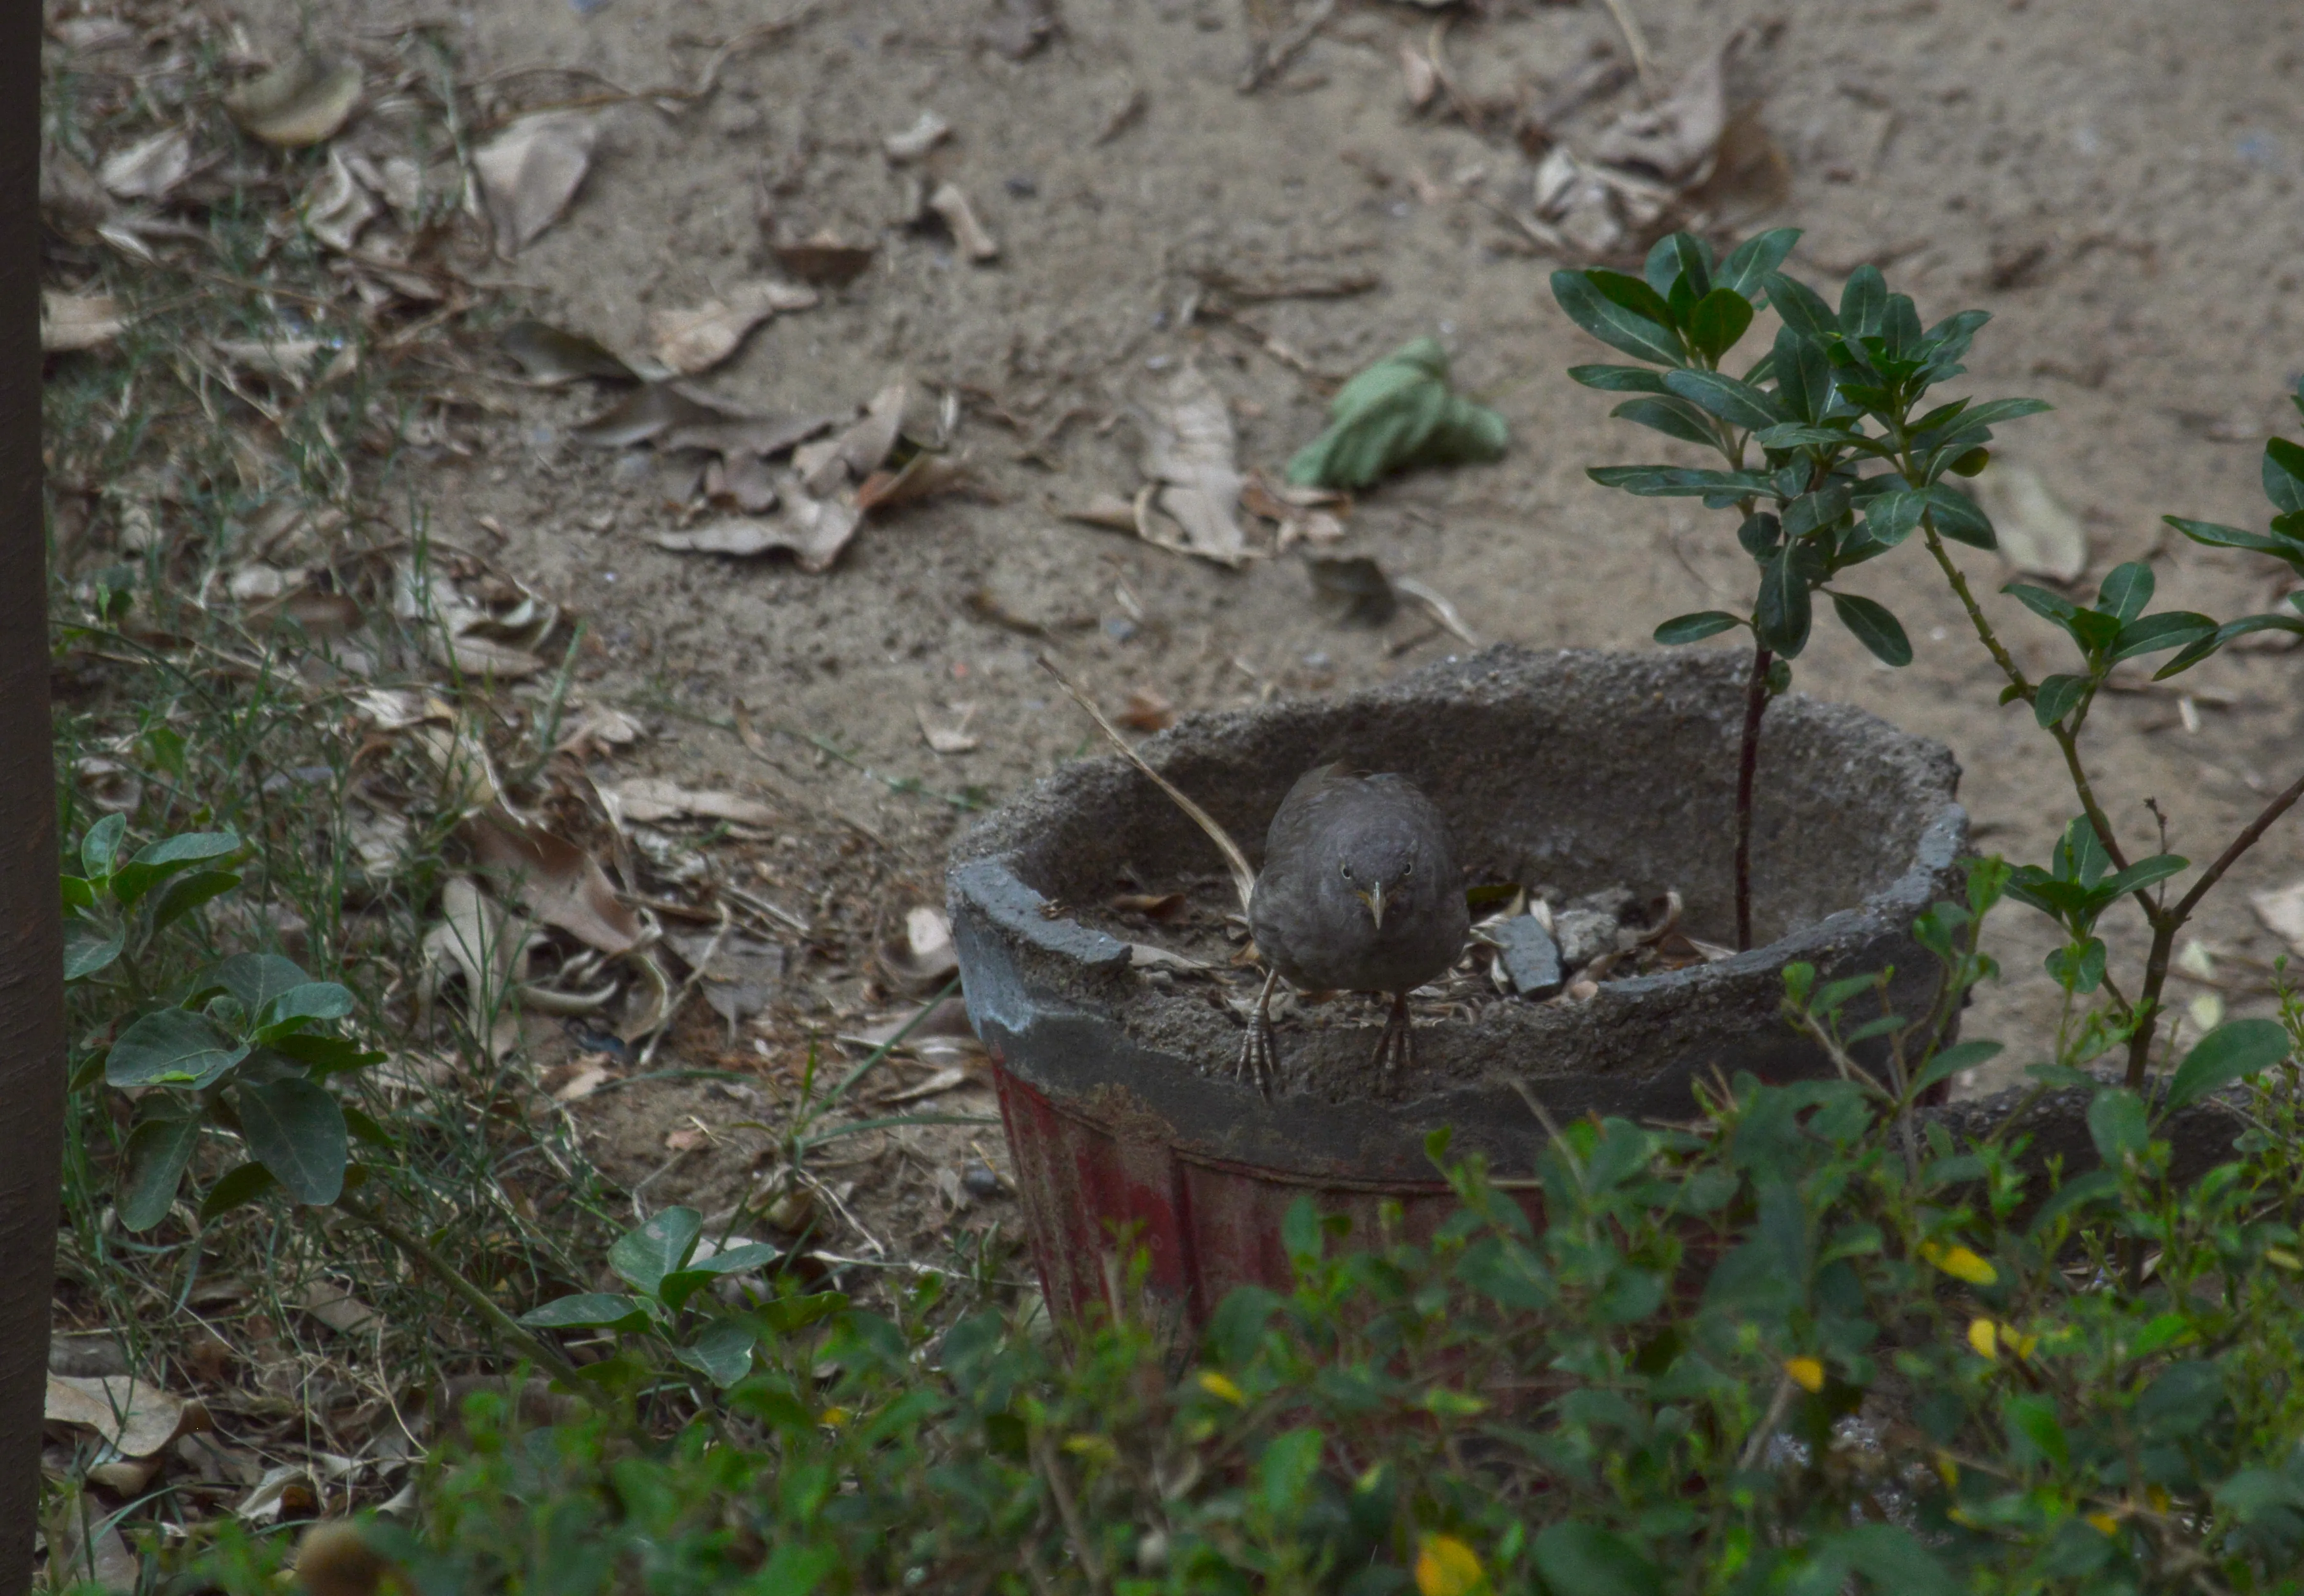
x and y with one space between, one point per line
1259 1056
1395 1050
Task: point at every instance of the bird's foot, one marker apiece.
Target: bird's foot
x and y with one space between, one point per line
1259 1050
1395 1050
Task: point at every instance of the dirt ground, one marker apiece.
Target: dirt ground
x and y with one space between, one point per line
2115 180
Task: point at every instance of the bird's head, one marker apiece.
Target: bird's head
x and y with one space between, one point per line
1379 871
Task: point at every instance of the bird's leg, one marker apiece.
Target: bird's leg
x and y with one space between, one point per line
1259 1054
1395 1050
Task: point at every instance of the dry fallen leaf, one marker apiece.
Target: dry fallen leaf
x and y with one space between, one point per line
646 800
149 168
287 1488
595 728
693 341
337 1308
947 739
302 101
648 413
824 259
337 207
813 530
967 232
856 452
1152 905
924 476
530 171
135 1418
582 1084
1107 510
1190 449
916 140
2037 535
562 886
1678 138
762 436
2282 910
70 321
1148 710
687 1139
740 977
474 936
551 356
925 957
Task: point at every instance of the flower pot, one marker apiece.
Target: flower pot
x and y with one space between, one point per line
1575 769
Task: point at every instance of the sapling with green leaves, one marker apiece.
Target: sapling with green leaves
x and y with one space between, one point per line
1837 391
1834 456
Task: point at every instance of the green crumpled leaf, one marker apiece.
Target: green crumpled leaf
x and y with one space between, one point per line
1399 412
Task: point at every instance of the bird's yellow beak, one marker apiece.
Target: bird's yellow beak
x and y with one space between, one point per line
1373 898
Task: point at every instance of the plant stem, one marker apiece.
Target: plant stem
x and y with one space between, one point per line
1747 765
532 1347
2166 923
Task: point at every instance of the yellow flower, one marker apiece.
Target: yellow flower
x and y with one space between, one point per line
1947 1470
832 1418
2157 1495
1218 1385
2104 1524
1446 1567
1983 1338
1806 1372
1096 1448
2016 1342
2282 1257
1960 1263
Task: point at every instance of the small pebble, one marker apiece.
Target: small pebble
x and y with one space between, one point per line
980 1181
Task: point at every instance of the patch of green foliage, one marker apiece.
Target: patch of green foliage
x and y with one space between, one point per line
1809 1342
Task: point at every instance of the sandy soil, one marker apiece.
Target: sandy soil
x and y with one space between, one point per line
2115 180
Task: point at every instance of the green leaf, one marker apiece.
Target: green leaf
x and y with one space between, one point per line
2170 629
1643 337
327 1055
1678 266
2127 590
88 949
2116 1125
1674 417
187 893
1783 617
1286 1469
295 1130
163 859
172 1047
236 1188
1798 435
1892 515
2232 1051
2077 970
1619 379
2283 475
1893 1560
256 979
1801 309
1399 412
2218 536
154 1161
723 1352
1673 481
2095 1186
1951 1060
363 1124
1695 627
1812 511
1583 1559
588 1311
101 845
305 1002
1874 628
1718 320
1628 293
738 1260
1956 516
2033 1419
1863 302
1759 534
1803 374
2058 696
2049 606
1992 412
1740 404
2224 634
642 1257
2143 873
1749 264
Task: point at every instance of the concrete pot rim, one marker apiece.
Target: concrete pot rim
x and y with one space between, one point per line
1045 990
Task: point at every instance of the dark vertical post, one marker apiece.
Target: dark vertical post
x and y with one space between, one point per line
32 955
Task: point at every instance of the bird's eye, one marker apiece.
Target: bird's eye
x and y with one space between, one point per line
1407 871
1347 870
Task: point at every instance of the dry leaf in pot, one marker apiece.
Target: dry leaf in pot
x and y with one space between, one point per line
921 958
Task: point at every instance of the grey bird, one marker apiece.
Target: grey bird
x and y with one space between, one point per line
1359 892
